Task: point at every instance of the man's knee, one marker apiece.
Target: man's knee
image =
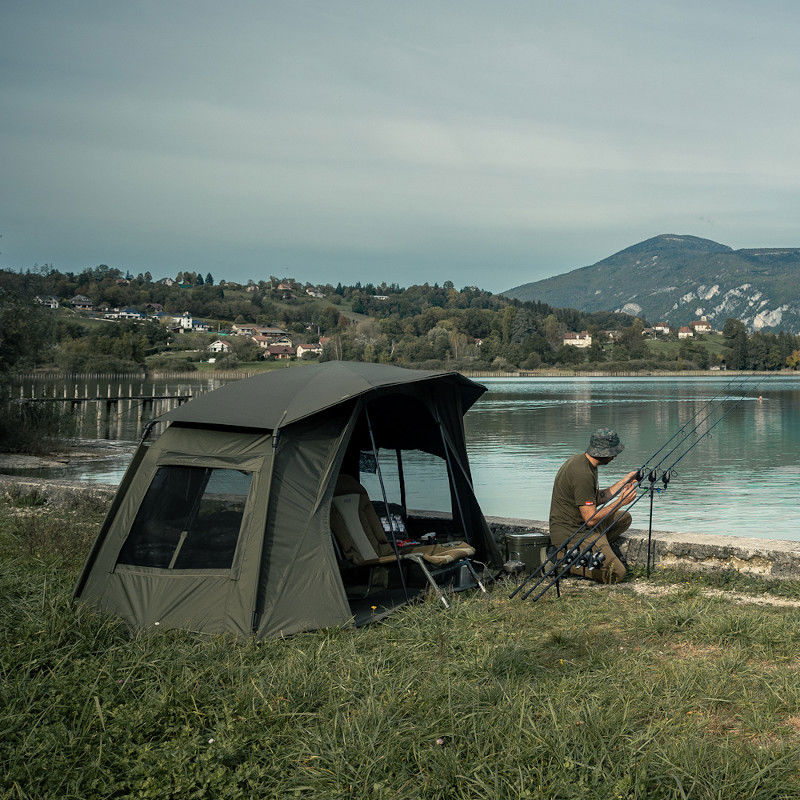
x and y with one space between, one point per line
619 526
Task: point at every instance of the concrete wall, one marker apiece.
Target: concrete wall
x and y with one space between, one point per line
773 558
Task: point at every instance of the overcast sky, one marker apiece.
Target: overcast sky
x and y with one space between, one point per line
487 143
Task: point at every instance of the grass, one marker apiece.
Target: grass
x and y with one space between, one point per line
668 348
605 693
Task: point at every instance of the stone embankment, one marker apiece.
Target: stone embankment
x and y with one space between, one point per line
772 558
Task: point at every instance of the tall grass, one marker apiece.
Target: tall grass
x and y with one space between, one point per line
602 694
32 427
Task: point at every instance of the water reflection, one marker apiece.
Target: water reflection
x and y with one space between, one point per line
737 481
742 480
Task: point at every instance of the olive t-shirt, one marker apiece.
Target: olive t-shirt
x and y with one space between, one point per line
575 485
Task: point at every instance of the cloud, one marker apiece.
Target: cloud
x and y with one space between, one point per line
408 138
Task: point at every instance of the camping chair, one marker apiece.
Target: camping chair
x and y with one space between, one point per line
362 540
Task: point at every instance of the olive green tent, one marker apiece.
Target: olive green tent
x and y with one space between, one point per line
224 522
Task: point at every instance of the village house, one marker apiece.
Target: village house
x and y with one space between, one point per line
582 339
662 328
130 313
262 341
315 349
685 332
251 287
218 346
285 287
613 335
245 329
184 321
165 282
315 293
81 303
701 325
271 333
380 297
50 301
280 351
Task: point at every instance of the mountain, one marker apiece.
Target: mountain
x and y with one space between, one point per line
675 279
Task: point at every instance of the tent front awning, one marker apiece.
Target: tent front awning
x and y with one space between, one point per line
284 396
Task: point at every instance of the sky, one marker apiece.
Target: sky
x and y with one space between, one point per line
487 143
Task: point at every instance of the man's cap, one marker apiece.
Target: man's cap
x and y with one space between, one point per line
604 444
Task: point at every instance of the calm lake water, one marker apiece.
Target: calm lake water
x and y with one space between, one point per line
743 480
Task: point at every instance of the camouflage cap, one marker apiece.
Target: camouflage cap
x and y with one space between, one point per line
604 444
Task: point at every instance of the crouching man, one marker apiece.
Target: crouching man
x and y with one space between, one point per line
576 500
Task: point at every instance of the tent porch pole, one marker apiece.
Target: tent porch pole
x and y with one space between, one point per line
385 501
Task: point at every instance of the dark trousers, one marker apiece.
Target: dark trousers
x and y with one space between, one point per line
610 529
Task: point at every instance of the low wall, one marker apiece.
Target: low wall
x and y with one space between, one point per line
773 558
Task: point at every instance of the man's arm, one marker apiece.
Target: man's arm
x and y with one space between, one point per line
592 514
604 495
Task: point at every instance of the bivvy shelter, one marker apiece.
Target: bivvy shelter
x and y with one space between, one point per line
224 522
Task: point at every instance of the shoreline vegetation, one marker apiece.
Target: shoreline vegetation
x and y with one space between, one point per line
248 371
680 686
102 321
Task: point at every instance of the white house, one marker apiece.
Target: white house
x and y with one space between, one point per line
582 339
130 313
309 348
701 325
245 329
315 293
51 301
685 332
219 346
166 282
185 321
662 327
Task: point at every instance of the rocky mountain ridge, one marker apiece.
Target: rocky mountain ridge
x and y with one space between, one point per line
678 278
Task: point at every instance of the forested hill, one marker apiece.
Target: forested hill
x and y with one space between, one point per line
676 279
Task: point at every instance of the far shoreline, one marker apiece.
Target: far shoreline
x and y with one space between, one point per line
195 375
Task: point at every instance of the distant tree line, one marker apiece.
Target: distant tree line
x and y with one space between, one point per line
421 325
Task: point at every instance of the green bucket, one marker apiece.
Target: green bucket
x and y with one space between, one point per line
529 548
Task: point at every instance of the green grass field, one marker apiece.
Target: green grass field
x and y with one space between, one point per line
663 692
668 348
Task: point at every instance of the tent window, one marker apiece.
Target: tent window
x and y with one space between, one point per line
427 483
189 519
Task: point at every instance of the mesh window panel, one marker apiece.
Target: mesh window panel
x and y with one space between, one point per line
189 519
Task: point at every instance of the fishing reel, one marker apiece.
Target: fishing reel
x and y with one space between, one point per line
587 560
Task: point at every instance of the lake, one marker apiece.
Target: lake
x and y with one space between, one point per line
742 480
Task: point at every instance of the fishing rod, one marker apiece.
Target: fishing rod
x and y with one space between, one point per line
571 548
567 562
641 474
742 379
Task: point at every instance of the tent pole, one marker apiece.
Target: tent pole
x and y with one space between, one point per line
386 501
402 478
451 476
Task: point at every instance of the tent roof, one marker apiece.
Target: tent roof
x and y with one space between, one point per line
261 401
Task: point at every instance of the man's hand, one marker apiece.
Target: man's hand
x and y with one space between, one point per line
628 494
631 476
